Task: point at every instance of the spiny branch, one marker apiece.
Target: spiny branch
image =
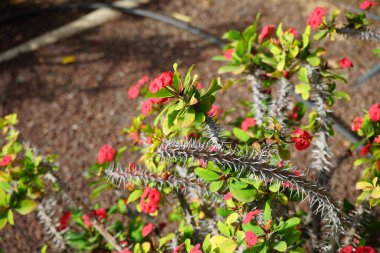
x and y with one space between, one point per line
257 98
363 34
120 176
257 165
213 132
280 105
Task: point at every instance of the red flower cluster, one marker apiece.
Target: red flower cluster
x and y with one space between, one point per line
250 238
357 124
294 114
149 200
147 229
247 123
229 54
360 249
345 63
301 138
177 249
100 214
316 17
365 150
374 112
134 91
6 160
266 32
162 80
228 196
106 154
147 105
62 224
367 4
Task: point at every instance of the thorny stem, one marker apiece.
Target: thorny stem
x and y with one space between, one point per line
213 132
106 235
359 33
257 98
188 216
120 176
260 167
280 105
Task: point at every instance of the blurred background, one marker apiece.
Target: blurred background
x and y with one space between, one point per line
71 95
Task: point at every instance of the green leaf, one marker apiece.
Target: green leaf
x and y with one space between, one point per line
232 35
268 210
167 238
314 60
362 160
240 134
25 206
235 69
3 219
244 195
303 89
3 198
206 174
10 217
320 35
302 75
306 38
188 78
232 218
376 193
216 185
223 228
162 93
341 95
214 87
136 194
280 246
222 244
363 185
292 222
44 248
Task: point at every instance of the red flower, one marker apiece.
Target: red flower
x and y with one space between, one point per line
374 112
143 80
106 154
158 100
347 249
215 111
301 138
377 139
176 250
248 217
367 4
228 196
357 124
5 160
285 74
86 220
162 80
266 32
365 150
250 238
293 115
149 140
147 229
196 249
146 107
292 31
63 221
378 165
229 54
153 196
316 17
247 123
199 85
101 214
133 92
345 63
365 249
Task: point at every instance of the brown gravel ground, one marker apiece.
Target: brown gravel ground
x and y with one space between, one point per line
73 109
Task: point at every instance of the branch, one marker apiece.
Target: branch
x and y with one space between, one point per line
359 34
258 98
213 132
257 165
106 235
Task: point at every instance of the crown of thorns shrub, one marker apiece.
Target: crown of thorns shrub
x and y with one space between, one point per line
200 187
